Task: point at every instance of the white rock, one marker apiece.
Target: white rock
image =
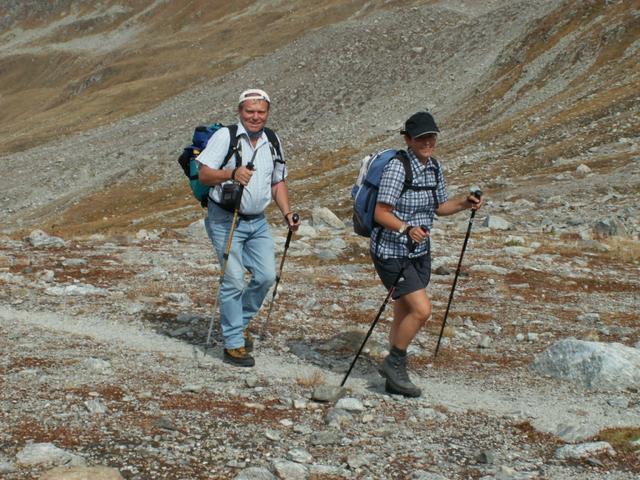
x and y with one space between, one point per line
255 473
47 454
495 222
38 238
583 170
287 470
82 473
350 404
595 365
584 450
324 216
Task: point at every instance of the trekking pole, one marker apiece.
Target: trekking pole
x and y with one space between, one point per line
295 217
225 256
476 194
382 308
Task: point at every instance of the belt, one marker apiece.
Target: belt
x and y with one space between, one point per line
241 216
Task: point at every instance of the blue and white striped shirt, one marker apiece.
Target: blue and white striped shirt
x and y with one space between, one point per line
414 207
257 194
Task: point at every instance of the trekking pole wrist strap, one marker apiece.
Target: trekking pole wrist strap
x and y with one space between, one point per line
286 215
233 173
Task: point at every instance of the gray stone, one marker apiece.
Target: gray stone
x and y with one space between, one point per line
325 438
307 231
590 317
595 365
82 473
95 406
286 470
7 467
575 433
609 227
424 475
47 454
197 231
495 222
299 455
324 216
360 460
350 404
38 238
328 393
584 450
583 170
337 416
255 473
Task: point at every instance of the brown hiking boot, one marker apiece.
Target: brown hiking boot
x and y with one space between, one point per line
248 341
238 357
394 369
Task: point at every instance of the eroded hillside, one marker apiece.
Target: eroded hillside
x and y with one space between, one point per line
519 89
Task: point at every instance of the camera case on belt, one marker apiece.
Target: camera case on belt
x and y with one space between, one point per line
230 195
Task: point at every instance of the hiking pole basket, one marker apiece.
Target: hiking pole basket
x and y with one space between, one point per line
225 257
295 217
477 194
382 308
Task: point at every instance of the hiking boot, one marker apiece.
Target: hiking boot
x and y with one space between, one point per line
238 357
248 341
394 369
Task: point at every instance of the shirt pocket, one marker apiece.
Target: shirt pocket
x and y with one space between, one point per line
417 201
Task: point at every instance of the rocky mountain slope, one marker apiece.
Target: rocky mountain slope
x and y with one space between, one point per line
104 316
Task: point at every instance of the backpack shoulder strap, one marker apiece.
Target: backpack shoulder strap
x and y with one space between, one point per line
274 144
435 196
408 171
233 147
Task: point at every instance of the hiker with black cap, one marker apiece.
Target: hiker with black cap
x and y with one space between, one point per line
400 240
260 170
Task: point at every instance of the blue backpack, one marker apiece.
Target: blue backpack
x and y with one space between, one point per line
365 191
201 136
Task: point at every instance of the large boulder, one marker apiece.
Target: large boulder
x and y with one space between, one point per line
596 365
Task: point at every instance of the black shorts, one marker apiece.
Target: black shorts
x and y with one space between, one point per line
415 276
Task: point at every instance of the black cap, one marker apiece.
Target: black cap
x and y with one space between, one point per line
419 124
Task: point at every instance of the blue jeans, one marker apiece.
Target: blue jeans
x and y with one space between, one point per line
252 250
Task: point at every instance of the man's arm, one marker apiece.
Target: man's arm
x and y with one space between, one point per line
210 176
280 195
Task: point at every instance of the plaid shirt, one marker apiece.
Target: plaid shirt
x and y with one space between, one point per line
414 207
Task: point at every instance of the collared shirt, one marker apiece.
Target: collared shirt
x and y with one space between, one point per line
414 207
267 172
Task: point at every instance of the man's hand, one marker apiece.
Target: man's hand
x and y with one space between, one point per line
293 221
242 175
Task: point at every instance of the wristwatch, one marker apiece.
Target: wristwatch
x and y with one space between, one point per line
404 228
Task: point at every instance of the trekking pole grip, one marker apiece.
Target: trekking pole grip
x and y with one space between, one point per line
478 195
295 217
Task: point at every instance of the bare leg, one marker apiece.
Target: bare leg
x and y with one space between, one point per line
410 312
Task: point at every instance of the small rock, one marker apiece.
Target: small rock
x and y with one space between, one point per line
326 393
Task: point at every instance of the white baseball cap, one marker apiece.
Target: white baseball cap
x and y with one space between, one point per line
254 94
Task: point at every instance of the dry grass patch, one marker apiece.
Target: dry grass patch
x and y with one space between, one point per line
623 440
624 249
230 410
456 359
64 437
313 380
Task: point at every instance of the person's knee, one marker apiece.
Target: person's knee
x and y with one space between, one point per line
265 278
423 312
233 282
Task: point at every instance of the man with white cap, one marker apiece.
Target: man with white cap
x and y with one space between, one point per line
399 244
252 248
